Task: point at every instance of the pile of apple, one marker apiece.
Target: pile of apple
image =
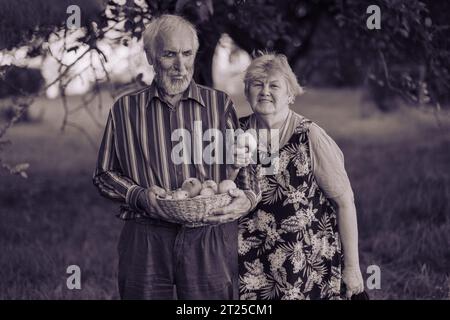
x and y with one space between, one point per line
193 187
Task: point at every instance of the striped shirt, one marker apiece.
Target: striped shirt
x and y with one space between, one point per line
135 152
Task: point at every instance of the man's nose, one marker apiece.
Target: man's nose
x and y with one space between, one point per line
179 64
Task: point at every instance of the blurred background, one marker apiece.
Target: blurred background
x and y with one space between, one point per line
382 94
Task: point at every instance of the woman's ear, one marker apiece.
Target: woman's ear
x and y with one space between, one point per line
291 99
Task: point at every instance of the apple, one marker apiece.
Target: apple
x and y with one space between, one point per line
207 192
226 185
180 195
193 186
246 140
210 184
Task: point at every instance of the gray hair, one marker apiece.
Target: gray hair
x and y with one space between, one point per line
165 23
266 62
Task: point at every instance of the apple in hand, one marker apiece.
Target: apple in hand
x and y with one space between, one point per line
246 140
193 186
210 184
226 185
180 195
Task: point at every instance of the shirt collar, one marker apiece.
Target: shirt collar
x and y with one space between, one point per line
192 92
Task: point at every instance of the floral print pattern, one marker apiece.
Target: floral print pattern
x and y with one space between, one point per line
289 246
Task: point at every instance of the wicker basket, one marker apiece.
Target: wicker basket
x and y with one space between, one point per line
191 211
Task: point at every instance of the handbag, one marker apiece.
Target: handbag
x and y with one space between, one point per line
360 296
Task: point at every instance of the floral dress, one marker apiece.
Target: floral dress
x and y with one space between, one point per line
289 246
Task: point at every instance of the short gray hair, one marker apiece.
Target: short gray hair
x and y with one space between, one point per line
165 23
265 62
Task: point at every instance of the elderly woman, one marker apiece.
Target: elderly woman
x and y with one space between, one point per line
301 241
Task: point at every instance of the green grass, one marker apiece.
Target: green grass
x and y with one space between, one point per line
398 166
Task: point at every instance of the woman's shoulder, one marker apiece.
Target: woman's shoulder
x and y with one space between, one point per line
302 124
317 136
321 143
316 130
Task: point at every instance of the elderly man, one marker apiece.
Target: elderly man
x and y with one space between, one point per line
157 254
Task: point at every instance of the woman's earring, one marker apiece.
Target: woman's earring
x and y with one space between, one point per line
291 100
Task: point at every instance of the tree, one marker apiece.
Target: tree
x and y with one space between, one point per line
408 57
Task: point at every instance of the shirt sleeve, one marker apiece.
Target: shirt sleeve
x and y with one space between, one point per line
327 161
247 179
108 176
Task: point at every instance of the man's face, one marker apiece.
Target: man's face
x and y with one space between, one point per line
174 61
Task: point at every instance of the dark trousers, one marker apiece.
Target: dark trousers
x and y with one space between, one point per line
161 260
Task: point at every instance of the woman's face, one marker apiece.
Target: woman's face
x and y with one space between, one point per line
268 95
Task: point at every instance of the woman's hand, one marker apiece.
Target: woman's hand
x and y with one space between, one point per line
242 157
353 280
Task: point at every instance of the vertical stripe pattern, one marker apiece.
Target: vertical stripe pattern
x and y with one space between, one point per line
135 151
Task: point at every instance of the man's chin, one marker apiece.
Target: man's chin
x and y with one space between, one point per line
176 88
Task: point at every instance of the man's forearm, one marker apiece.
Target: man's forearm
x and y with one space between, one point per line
114 186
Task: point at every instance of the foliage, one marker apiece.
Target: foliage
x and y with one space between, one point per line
16 81
408 57
30 22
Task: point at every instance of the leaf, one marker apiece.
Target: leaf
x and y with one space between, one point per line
74 48
128 25
180 4
403 32
18 168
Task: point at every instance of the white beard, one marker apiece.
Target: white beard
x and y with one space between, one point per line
172 87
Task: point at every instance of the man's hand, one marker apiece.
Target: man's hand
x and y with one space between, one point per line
239 206
353 280
147 201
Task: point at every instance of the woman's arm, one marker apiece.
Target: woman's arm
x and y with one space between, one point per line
348 231
348 227
328 167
